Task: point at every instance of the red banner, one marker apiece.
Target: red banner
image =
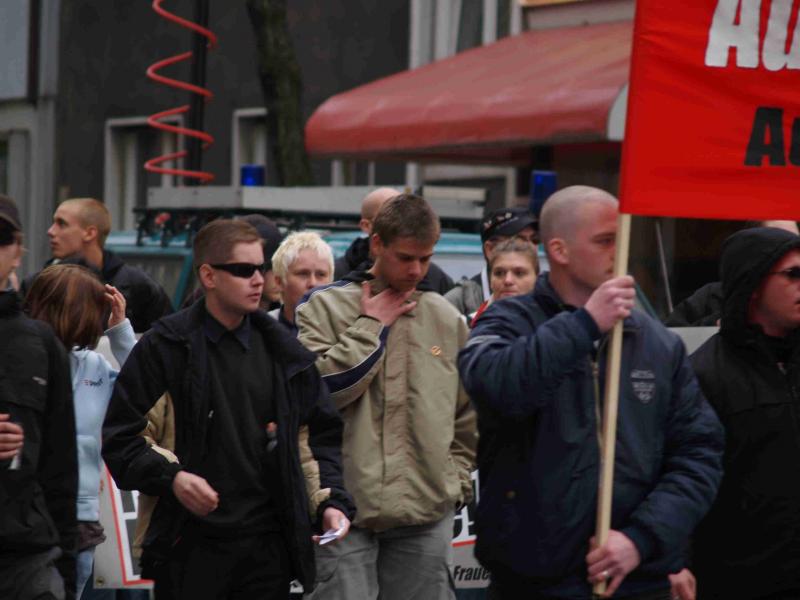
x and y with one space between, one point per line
713 123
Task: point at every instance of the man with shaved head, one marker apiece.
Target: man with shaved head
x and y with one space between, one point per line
535 367
357 256
78 234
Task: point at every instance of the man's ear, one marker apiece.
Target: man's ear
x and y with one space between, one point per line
16 260
376 245
207 277
557 251
90 234
488 246
365 225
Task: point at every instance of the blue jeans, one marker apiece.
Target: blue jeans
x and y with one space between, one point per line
85 563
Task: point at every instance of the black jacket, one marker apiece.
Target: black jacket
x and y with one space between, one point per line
146 300
749 544
701 309
357 258
173 357
530 367
38 501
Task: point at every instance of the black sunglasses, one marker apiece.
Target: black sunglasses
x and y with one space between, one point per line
243 270
792 273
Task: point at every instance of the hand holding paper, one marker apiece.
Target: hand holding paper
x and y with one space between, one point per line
335 526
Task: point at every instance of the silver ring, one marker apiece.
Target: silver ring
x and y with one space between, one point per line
605 574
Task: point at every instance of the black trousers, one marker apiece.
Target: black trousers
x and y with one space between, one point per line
255 567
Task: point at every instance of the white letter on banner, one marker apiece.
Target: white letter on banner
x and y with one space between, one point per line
726 34
774 53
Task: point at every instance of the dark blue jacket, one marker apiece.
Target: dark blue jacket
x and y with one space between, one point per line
530 368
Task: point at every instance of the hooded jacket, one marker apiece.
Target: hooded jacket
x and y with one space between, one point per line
92 383
172 357
37 500
146 300
356 258
532 370
410 444
749 544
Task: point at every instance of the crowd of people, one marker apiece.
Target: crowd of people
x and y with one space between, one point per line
311 419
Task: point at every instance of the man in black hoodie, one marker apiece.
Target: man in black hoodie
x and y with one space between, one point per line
38 455
748 546
79 230
703 307
357 257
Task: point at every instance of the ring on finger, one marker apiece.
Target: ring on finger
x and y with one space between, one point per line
605 574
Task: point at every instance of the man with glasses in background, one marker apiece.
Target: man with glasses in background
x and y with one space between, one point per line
232 519
748 546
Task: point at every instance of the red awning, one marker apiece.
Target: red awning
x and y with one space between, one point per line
489 104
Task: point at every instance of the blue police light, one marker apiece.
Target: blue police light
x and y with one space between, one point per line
252 175
543 184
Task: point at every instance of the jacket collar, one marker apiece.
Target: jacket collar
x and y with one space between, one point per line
379 284
546 296
185 326
9 303
111 265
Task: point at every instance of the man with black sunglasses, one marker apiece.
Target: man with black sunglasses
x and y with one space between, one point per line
748 546
233 516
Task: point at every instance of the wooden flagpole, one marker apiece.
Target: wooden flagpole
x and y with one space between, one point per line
611 400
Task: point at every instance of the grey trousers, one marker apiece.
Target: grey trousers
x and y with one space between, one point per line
406 563
32 577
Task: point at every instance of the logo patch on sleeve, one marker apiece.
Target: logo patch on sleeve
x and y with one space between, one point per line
643 384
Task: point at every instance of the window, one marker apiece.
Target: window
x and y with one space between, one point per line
483 22
129 143
440 28
249 144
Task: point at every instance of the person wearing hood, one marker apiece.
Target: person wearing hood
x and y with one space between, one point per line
748 546
387 350
79 230
357 257
704 307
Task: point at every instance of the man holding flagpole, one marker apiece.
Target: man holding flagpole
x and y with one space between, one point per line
534 367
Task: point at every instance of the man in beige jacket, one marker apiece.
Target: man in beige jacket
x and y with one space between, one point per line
387 350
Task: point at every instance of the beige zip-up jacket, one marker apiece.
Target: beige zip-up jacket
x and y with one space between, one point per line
409 429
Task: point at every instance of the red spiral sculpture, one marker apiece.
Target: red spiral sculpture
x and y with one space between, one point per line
153 165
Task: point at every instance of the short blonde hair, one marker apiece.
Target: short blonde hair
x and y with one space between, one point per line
293 245
93 213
